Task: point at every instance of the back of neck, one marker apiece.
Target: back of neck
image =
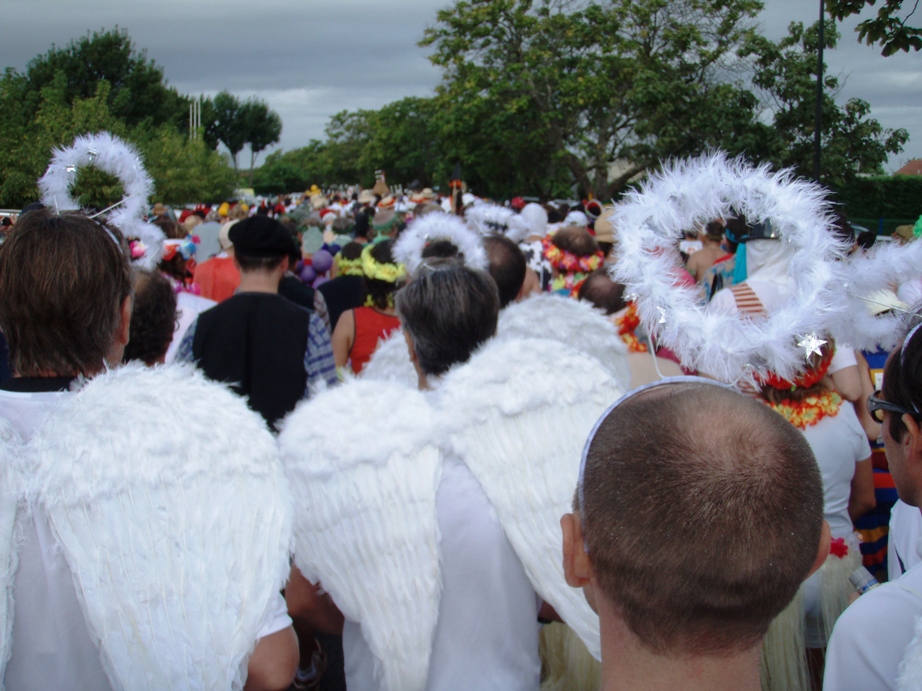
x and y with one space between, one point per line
629 666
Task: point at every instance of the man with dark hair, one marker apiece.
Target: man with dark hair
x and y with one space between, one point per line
268 349
66 306
654 513
603 292
875 643
507 267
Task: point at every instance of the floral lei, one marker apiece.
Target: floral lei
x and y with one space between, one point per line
811 410
567 262
349 267
627 324
379 270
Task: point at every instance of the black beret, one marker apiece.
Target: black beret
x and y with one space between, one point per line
261 236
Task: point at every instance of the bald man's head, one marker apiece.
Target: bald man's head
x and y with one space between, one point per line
702 513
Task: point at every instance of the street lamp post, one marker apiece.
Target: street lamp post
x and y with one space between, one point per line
818 124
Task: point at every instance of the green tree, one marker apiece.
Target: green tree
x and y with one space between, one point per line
852 142
887 28
552 84
184 170
138 91
263 127
225 123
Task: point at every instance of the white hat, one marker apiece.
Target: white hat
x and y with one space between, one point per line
535 217
224 235
576 218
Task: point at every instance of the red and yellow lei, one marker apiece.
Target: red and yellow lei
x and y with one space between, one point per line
627 324
811 410
567 262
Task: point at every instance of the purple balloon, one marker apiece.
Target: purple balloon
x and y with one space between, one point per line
319 281
299 266
308 274
322 261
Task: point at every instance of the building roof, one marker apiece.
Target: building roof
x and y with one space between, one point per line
914 167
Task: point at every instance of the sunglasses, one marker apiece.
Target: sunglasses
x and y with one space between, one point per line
877 406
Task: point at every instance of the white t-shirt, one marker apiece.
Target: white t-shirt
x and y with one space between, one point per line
904 536
872 635
52 646
486 637
838 443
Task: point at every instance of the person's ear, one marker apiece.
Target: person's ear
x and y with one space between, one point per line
411 347
913 440
123 331
823 550
577 568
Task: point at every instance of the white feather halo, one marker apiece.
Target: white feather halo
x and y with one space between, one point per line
114 156
492 219
409 247
689 193
858 278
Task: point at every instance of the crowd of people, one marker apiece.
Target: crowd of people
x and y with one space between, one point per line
372 440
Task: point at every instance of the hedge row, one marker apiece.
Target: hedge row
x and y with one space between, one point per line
896 199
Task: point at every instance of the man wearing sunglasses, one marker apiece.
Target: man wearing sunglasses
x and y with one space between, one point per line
879 631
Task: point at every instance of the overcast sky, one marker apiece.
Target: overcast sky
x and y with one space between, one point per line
311 58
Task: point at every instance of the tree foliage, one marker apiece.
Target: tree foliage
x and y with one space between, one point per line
852 142
41 112
235 124
888 28
592 83
137 93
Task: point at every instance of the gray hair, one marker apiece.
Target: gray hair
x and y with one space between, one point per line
449 310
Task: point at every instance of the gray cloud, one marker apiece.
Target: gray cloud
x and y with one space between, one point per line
311 59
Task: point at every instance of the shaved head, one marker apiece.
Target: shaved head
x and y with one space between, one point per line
702 511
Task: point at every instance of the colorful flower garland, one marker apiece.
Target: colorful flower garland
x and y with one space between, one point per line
381 271
627 324
349 267
811 410
567 262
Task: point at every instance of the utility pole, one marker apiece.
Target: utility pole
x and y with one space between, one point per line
818 124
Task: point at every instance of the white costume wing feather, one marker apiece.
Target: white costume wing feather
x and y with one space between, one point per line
520 413
166 495
365 520
391 362
10 498
571 322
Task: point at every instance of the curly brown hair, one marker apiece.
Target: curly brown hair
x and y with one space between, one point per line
153 319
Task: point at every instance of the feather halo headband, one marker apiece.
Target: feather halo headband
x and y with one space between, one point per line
492 219
688 193
111 155
439 226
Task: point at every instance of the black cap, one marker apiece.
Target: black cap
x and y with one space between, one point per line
261 236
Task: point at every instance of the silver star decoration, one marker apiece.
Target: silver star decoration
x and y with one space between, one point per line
631 297
662 315
70 169
92 154
811 344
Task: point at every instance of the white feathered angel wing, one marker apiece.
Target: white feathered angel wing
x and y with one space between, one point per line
167 497
10 498
574 323
365 522
520 412
391 362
